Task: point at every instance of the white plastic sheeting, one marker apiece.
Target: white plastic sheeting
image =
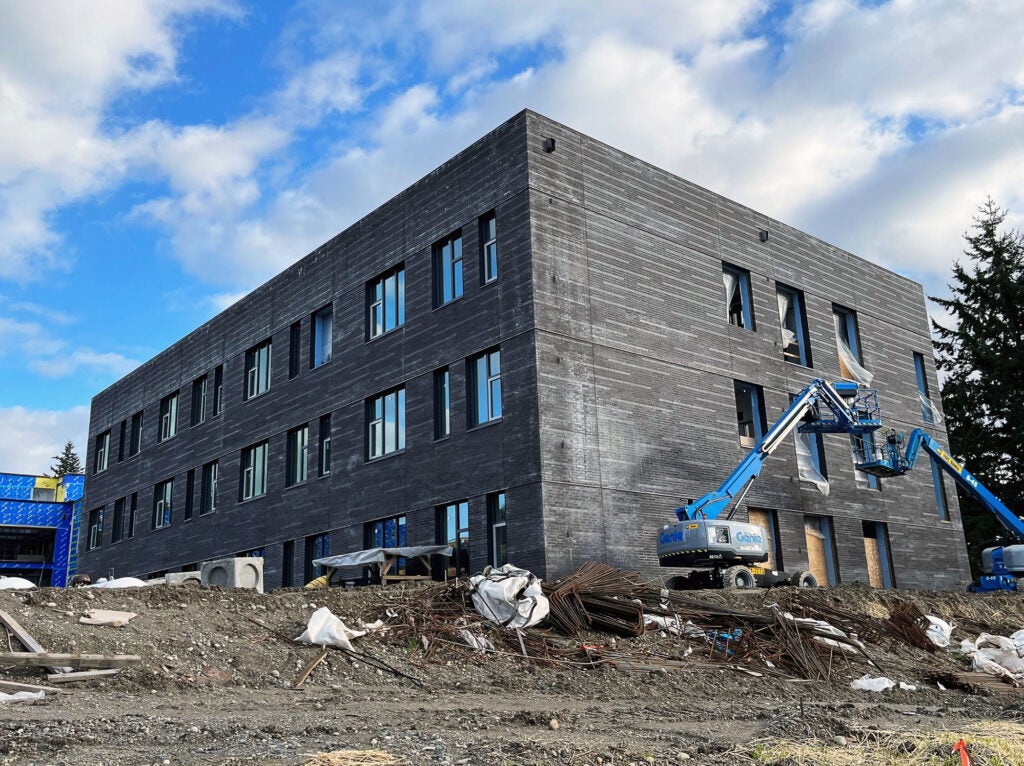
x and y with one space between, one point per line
805 463
939 631
729 280
15 583
929 407
119 582
1001 656
785 309
21 696
851 366
869 683
509 596
326 629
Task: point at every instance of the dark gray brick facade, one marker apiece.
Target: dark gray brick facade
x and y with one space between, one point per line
617 370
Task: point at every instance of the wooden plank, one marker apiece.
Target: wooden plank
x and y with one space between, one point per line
81 675
33 659
26 639
309 668
12 686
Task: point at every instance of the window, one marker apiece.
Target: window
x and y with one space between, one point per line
294 350
738 305
442 404
488 248
168 417
324 466
297 456
876 551
821 552
135 446
863 448
750 417
498 542
810 460
941 501
208 498
387 533
386 301
287 563
257 369
851 359
190 491
133 509
317 547
117 530
484 375
453 530
448 269
95 529
102 452
198 401
254 471
386 423
162 494
768 520
321 336
218 390
796 347
122 436
929 412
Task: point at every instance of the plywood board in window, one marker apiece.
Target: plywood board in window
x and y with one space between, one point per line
874 562
816 560
763 520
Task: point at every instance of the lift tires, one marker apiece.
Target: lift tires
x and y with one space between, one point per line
805 580
738 577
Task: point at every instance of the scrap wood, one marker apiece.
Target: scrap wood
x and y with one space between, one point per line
106 617
353 758
81 675
975 681
309 668
11 686
26 639
34 659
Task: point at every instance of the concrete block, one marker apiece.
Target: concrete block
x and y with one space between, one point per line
244 572
194 577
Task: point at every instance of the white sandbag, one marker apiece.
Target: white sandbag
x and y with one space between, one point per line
939 631
869 684
509 596
119 582
326 629
15 583
1018 641
21 696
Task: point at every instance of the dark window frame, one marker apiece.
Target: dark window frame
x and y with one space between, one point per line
442 403
208 482
321 336
739 312
377 426
297 456
489 267
199 392
448 269
483 405
381 319
258 369
802 339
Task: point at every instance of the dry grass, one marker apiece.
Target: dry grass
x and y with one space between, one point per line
988 744
353 758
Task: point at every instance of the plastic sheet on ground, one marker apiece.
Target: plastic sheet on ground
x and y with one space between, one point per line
999 656
939 631
509 596
21 696
119 582
869 683
15 583
326 629
479 643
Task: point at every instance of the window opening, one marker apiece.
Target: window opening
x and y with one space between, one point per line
198 401
453 529
738 305
749 413
488 247
448 270
821 553
386 423
257 369
929 412
208 500
325 445
162 494
386 298
485 384
496 521
322 336
793 323
442 404
851 359
297 456
254 471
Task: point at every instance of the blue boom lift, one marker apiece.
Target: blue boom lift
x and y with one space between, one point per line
1003 565
723 551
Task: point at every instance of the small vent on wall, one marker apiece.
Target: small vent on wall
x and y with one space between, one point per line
549 145
763 235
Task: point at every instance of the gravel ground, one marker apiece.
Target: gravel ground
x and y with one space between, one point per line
216 686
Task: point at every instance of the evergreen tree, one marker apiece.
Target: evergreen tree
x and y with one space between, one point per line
982 357
66 462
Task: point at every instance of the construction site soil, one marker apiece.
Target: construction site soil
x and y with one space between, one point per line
217 684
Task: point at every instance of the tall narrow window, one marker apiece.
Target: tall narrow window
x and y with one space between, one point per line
199 400
738 305
877 553
851 358
498 542
324 465
387 533
122 437
941 501
929 412
750 418
95 537
385 415
208 490
796 347
135 445
133 510
448 269
168 417
442 404
254 471
297 456
386 302
294 349
190 492
810 460
218 390
102 452
821 551
321 336
288 564
488 248
257 369
768 520
453 530
317 547
863 448
484 377
117 527
162 494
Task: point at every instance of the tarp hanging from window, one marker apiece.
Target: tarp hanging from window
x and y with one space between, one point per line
805 463
930 407
786 311
729 280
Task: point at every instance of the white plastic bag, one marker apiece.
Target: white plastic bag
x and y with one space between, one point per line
509 596
326 629
939 631
868 684
21 696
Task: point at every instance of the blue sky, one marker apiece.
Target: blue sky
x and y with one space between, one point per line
160 159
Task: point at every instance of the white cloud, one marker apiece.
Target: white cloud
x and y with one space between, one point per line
45 353
33 437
